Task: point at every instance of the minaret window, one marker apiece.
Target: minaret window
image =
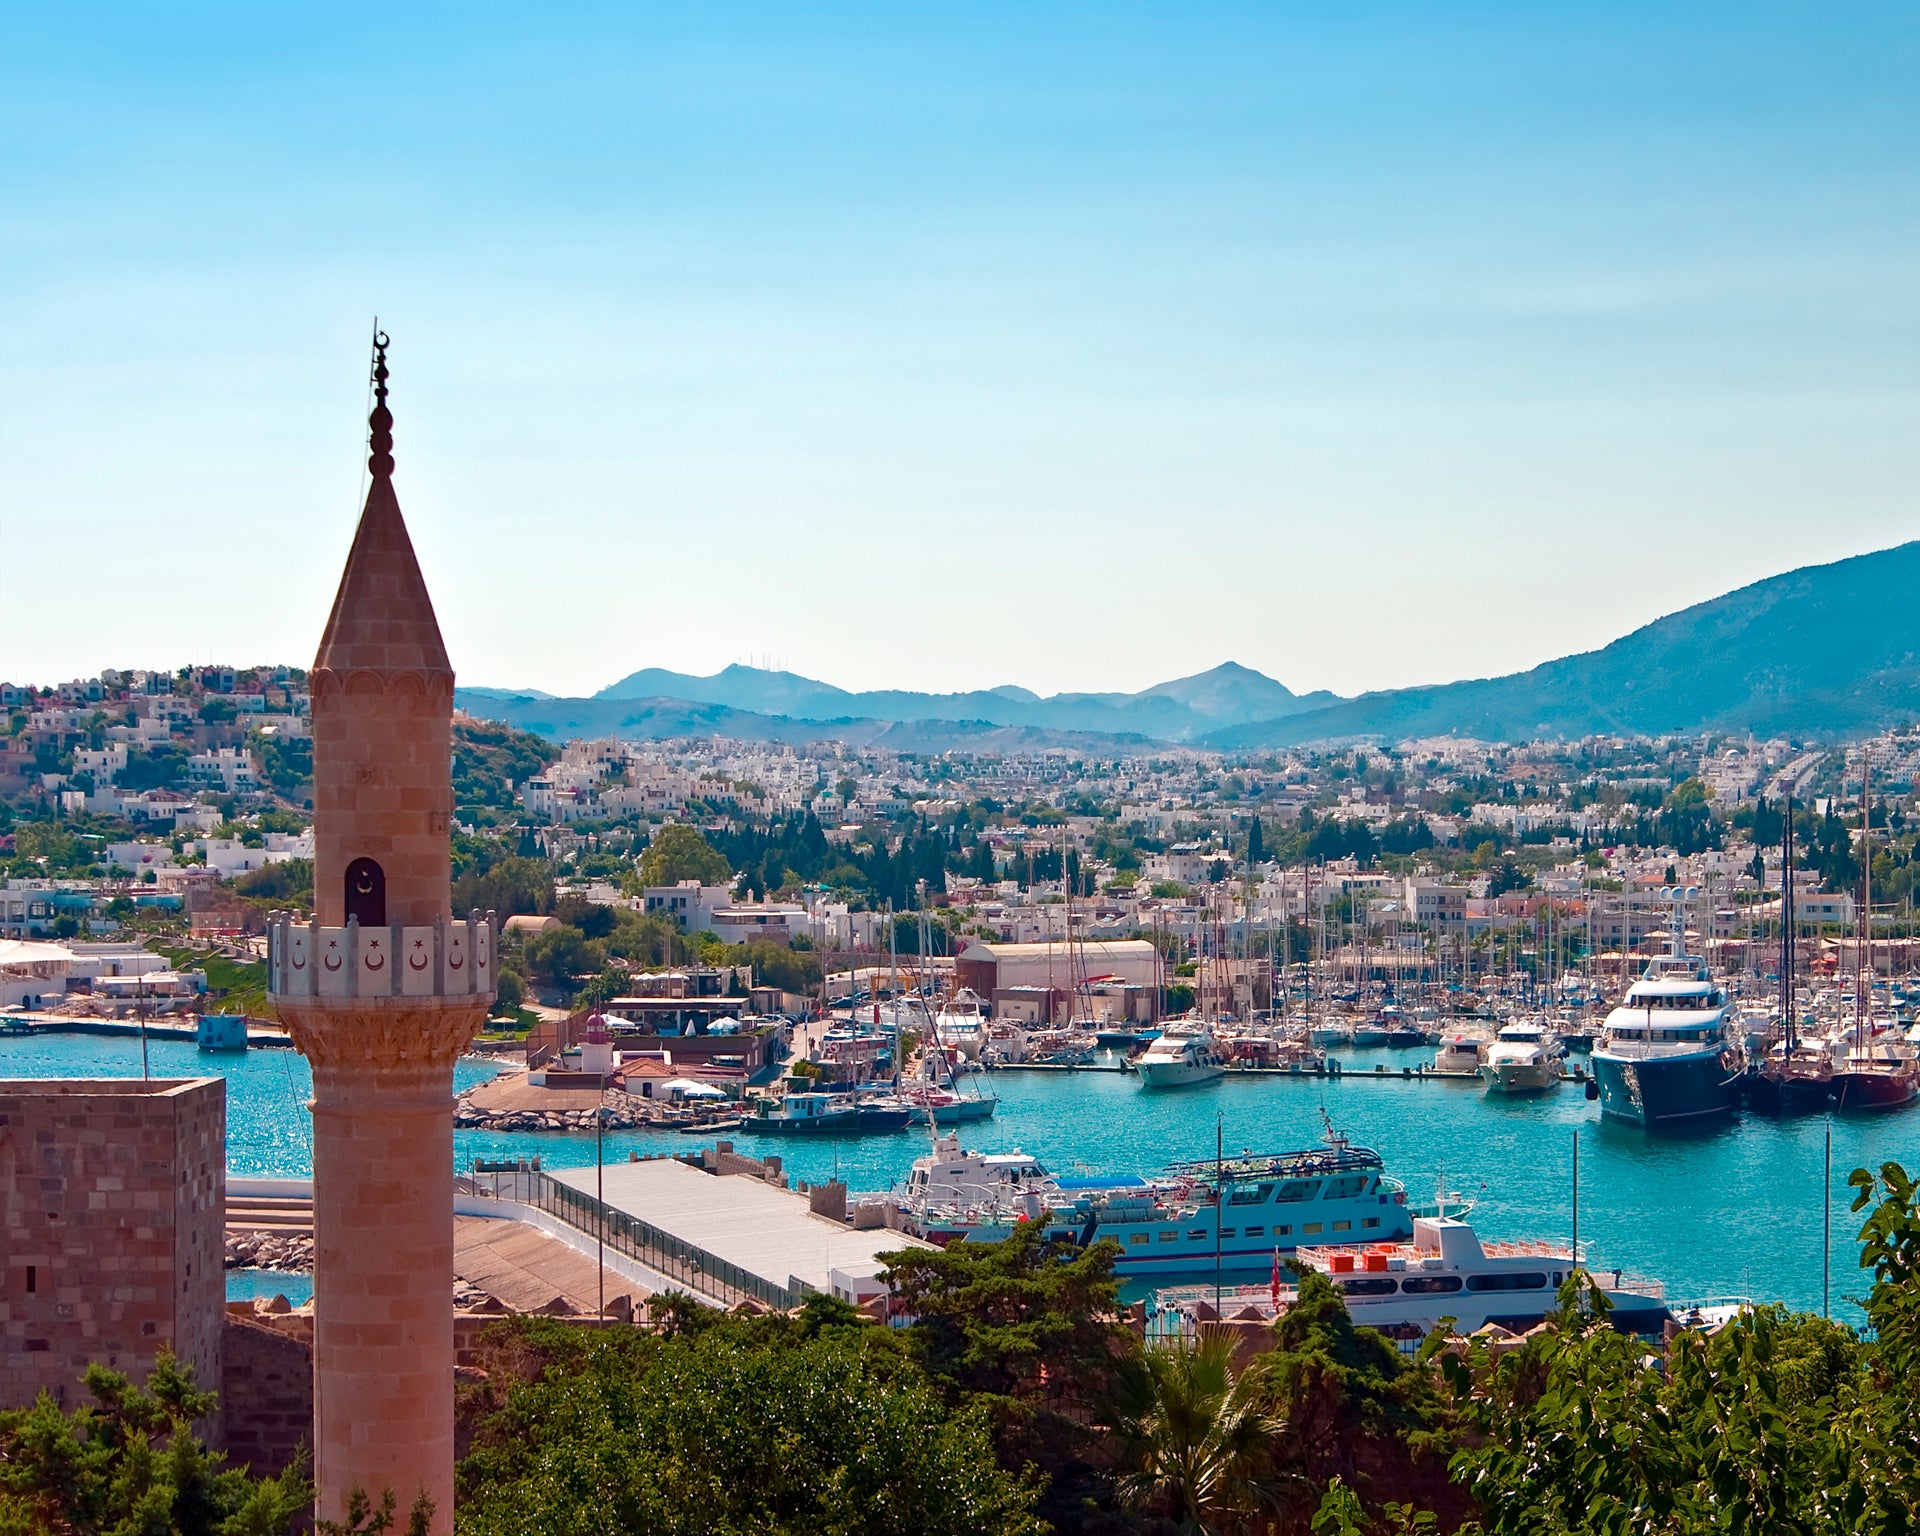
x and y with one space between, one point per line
367 893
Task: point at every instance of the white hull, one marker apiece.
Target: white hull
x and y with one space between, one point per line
1178 1074
1520 1076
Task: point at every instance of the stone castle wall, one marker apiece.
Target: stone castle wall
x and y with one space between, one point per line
266 1394
112 1204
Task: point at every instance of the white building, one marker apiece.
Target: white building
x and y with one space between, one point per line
690 904
1443 908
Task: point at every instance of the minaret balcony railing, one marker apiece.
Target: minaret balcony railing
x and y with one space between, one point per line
445 958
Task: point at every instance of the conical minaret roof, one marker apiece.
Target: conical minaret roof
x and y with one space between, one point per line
382 618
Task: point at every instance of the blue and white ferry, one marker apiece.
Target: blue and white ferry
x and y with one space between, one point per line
1244 1209
1670 1053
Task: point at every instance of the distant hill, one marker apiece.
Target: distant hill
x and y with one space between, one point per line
1828 650
657 719
1181 710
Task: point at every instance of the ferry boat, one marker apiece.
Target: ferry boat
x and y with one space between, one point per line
1524 1058
1176 1224
1180 1060
1405 1288
1669 1054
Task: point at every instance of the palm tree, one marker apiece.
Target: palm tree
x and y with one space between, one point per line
1195 1436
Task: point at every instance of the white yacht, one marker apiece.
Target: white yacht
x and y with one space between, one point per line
1178 1061
1463 1046
1670 1052
961 1023
1331 1034
1525 1058
1406 1289
950 1191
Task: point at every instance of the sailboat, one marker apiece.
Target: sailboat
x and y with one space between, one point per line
1795 1073
1879 1070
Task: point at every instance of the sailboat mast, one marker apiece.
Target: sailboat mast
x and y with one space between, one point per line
1786 923
1863 929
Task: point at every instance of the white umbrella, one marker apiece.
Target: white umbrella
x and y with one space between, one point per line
690 1088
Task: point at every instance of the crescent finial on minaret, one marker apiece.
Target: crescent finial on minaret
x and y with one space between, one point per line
381 421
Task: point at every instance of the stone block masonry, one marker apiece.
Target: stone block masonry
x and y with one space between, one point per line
112 1200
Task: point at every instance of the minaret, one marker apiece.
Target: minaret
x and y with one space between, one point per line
381 991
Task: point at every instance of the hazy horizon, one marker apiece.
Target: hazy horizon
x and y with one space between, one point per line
941 351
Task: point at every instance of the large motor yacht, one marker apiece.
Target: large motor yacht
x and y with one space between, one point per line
1524 1059
1670 1053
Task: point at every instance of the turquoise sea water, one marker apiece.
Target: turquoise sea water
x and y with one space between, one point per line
1735 1209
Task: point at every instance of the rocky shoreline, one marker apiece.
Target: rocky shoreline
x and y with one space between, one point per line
291 1255
619 1112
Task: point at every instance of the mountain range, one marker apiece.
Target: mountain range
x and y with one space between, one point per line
1826 650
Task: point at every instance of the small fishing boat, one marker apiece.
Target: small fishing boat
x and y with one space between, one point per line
827 1114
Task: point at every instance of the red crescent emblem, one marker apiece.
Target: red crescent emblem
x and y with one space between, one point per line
416 962
300 963
454 961
376 962
332 962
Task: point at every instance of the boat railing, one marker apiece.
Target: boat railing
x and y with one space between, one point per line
1283 1164
674 1257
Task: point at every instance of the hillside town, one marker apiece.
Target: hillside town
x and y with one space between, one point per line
181 803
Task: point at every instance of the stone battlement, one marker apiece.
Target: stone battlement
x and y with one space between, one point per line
438 960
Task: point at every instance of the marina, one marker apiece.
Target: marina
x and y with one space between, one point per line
1733 1207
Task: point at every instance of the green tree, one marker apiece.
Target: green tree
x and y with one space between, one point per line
562 954
1778 1423
679 852
1030 1328
1351 1407
130 1462
1195 1439
509 886
729 1427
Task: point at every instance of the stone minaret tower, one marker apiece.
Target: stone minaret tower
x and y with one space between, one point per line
381 991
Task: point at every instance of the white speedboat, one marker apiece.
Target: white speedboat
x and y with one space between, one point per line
1525 1058
1332 1034
1179 1061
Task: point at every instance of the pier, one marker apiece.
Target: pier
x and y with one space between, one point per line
153 1029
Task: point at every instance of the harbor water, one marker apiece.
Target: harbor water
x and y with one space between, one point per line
1732 1209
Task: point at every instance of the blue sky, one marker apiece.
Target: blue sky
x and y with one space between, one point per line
951 346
